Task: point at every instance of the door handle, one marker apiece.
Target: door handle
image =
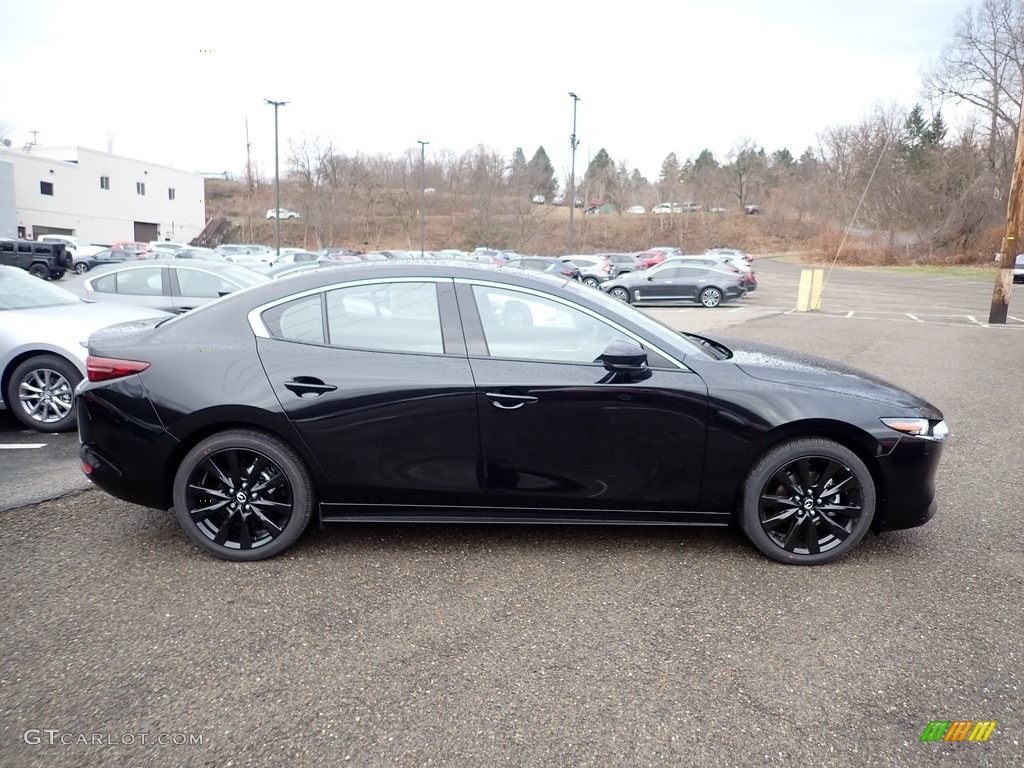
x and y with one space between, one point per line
308 386
519 400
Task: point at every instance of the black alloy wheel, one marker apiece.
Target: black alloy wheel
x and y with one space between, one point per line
619 293
243 495
41 393
808 502
711 297
39 270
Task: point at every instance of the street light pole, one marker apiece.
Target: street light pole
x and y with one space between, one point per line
423 196
277 179
573 142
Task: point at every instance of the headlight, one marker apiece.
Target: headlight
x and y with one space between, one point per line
928 429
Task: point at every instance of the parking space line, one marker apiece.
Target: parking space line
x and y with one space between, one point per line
973 320
912 317
16 446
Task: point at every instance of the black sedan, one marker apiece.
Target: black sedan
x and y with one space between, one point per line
563 266
414 392
674 283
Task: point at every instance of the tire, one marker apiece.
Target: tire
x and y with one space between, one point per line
593 282
67 259
619 293
41 393
258 495
39 270
81 268
809 527
711 297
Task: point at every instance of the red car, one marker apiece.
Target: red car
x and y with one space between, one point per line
141 249
654 256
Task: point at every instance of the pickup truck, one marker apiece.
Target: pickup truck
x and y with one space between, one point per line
46 260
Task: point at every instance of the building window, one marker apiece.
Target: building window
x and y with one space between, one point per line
104 182
140 187
46 188
170 193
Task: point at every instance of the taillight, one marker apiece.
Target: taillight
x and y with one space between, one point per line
107 368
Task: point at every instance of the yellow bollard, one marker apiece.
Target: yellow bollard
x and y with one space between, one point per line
809 293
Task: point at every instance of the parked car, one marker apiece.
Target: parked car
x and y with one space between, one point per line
296 257
720 262
623 263
539 199
42 358
167 246
282 213
171 285
722 250
753 209
397 392
667 208
110 256
82 264
76 246
230 251
654 256
563 267
594 270
636 209
132 246
1018 272
672 283
48 261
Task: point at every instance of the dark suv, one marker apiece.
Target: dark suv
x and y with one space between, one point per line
46 260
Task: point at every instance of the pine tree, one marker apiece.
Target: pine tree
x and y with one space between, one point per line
541 174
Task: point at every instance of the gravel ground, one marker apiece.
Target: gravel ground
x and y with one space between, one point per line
386 645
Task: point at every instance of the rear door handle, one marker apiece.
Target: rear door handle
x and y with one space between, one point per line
308 386
518 401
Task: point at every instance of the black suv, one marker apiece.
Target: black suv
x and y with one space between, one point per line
46 260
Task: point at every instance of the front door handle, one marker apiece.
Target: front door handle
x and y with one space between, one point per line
518 400
308 386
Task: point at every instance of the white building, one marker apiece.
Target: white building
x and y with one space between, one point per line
99 197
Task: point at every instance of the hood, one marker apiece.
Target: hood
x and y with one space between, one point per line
797 369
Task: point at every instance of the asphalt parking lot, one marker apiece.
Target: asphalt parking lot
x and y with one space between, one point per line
471 646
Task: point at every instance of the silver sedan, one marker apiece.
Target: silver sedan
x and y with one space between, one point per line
43 330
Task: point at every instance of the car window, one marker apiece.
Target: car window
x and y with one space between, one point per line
131 282
524 326
203 285
393 317
299 320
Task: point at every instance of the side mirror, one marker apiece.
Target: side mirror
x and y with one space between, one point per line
625 356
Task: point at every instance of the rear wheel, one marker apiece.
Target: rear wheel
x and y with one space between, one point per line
711 297
243 495
41 393
593 282
807 502
81 267
39 270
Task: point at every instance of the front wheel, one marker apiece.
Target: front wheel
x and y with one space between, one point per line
81 268
619 293
243 495
711 297
593 282
807 502
41 393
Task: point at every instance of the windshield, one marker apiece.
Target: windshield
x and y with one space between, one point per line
20 290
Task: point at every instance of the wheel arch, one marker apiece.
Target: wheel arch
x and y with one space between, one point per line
28 354
243 418
862 443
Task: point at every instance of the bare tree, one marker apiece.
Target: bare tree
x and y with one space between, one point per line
983 66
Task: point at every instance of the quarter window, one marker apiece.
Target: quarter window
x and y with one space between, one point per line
524 326
203 285
131 282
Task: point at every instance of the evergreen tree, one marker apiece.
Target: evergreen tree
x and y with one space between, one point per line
541 174
705 161
669 169
517 171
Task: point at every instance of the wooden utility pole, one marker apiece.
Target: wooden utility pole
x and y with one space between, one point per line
1011 238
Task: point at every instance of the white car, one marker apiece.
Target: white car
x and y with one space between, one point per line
43 330
636 209
76 245
667 208
282 213
539 199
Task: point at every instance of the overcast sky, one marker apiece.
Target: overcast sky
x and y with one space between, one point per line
173 82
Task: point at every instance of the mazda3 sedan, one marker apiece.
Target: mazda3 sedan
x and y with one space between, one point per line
433 391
